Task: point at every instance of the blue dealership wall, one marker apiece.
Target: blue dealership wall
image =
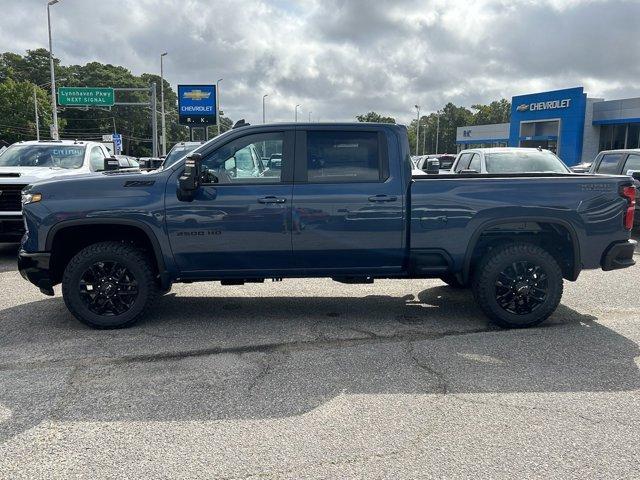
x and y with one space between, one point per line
568 105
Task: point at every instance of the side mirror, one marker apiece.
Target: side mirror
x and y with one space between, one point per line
110 164
635 174
189 181
433 166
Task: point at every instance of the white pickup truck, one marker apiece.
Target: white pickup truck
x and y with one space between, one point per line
24 163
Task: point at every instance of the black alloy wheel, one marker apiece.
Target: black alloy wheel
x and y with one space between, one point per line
108 288
521 287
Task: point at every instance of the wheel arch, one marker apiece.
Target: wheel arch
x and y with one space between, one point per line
145 231
573 272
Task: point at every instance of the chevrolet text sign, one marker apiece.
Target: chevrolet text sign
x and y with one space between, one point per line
550 105
197 105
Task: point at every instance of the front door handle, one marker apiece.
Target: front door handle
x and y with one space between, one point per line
272 199
382 198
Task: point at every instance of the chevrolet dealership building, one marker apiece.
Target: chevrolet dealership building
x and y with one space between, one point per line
567 122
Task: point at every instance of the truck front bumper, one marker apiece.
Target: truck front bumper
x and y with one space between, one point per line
619 255
35 268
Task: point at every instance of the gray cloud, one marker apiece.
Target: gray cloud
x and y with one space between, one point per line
339 58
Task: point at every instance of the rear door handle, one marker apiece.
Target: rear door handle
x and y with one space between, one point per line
272 199
382 198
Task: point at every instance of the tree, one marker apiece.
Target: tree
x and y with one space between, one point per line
17 111
496 112
375 118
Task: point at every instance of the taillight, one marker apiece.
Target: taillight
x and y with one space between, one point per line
630 194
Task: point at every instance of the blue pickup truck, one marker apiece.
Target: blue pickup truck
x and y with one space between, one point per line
340 204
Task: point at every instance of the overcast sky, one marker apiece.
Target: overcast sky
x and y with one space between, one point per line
339 58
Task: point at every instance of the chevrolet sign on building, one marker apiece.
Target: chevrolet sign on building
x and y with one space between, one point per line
197 105
567 122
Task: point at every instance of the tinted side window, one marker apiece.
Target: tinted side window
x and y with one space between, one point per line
632 163
609 163
343 157
96 159
475 163
239 161
463 163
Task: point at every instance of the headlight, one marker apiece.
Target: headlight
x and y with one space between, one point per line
31 198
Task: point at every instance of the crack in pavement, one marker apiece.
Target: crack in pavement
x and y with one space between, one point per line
443 388
282 347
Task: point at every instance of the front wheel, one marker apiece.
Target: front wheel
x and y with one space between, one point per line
518 285
109 285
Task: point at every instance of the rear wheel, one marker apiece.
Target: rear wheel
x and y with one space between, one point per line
109 285
518 285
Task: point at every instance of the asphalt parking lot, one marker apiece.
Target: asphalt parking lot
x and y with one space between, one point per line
315 379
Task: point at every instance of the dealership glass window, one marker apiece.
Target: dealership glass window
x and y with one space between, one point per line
633 135
605 137
343 157
632 163
619 135
609 163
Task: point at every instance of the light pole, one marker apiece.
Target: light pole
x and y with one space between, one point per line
35 109
263 110
437 131
296 112
54 106
218 103
164 127
417 128
310 112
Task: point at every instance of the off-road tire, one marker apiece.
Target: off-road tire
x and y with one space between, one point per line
131 257
490 268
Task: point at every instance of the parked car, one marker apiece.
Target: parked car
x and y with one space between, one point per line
343 205
127 163
508 160
178 151
620 162
24 163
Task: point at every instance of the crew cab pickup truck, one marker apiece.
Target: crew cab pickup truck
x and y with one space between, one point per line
343 205
24 163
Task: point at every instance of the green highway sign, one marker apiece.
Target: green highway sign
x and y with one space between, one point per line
85 96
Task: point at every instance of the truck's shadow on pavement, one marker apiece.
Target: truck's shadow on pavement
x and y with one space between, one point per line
249 358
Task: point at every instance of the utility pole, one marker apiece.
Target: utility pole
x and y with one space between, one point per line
424 140
438 131
417 128
263 110
218 103
35 109
164 129
154 121
54 133
296 113
310 112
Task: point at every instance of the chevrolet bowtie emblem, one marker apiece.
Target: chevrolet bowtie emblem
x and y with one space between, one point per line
196 95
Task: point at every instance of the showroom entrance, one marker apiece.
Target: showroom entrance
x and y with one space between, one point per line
540 133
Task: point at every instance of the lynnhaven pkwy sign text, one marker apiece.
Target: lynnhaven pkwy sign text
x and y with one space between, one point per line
86 96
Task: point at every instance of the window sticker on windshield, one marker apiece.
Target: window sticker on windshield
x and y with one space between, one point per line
65 152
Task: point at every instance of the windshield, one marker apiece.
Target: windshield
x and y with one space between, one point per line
49 156
177 153
524 162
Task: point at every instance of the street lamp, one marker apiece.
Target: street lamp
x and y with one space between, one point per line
263 111
296 112
437 131
417 128
218 103
164 129
54 106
